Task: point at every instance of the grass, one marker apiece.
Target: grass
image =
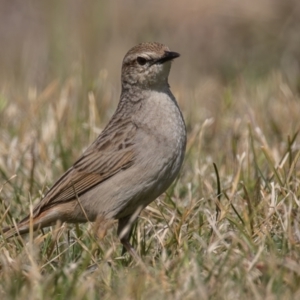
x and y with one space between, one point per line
228 228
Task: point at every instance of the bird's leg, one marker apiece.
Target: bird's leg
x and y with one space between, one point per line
126 244
124 233
126 241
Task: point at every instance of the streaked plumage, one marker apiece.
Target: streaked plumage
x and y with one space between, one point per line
134 159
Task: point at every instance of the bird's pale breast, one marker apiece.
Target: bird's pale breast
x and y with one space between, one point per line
159 147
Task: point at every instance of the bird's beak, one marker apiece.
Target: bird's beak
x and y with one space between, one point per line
169 55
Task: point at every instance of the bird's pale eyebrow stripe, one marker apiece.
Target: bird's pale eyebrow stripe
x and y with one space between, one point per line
147 55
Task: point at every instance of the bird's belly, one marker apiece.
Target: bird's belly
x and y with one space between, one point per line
156 168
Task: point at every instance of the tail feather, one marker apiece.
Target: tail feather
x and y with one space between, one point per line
20 228
42 220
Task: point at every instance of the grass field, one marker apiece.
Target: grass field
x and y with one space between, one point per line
229 227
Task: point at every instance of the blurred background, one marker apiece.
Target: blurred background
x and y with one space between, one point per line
43 40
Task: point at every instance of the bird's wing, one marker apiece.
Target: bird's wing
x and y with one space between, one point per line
111 153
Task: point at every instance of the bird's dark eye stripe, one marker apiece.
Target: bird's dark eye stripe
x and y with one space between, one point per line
141 60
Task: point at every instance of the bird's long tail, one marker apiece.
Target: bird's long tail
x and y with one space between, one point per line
42 220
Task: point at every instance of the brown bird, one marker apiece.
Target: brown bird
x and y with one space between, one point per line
132 162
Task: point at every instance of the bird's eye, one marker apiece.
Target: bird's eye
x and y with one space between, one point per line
141 60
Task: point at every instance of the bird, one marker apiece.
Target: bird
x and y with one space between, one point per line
132 162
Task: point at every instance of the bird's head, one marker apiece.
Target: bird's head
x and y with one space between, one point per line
147 65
